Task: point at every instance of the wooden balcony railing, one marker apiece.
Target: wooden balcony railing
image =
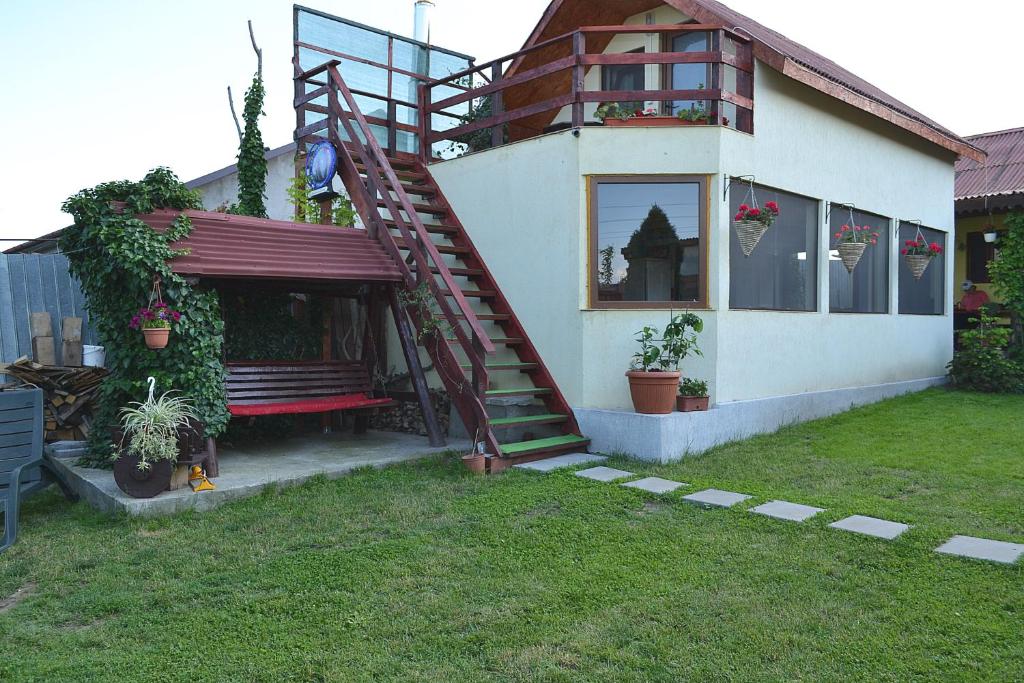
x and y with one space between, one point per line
521 95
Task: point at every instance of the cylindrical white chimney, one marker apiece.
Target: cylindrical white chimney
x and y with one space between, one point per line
421 26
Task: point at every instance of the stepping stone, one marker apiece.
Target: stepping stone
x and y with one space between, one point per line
871 526
654 485
602 473
793 512
560 461
982 549
716 498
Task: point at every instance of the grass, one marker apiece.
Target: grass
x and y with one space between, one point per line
422 572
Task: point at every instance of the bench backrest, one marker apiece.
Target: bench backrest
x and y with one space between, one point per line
21 435
253 383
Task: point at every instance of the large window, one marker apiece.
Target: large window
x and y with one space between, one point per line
926 296
648 242
866 289
694 76
782 272
624 77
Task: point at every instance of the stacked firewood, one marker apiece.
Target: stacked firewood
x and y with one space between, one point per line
68 395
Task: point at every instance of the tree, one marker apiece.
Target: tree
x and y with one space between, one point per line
606 273
252 162
1007 272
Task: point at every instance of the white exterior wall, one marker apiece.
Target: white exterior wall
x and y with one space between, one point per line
526 207
280 171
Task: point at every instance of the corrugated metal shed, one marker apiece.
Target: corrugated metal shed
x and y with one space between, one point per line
226 246
1001 174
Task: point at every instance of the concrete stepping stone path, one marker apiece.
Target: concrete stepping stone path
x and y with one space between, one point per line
792 512
871 526
716 498
602 473
982 549
654 485
558 462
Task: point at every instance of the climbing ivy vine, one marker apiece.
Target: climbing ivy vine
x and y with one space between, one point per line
308 210
1007 272
115 256
252 162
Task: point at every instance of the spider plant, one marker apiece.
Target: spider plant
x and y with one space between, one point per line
151 428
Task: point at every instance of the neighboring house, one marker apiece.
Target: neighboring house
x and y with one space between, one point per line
986 192
575 219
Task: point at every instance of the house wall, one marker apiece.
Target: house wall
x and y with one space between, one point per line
280 171
963 227
525 205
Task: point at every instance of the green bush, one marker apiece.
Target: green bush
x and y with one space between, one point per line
983 363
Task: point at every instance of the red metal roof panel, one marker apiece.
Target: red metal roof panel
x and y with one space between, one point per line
226 246
1001 174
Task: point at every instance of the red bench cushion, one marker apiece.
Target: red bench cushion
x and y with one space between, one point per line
322 404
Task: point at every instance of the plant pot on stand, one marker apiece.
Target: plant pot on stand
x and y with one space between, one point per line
692 404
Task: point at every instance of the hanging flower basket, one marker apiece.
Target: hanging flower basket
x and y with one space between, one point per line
155 320
853 242
918 253
752 222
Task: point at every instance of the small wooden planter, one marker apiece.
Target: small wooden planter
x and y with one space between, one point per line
749 234
650 122
917 264
692 404
653 393
475 462
851 253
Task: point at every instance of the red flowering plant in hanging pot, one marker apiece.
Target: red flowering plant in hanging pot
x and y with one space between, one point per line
752 222
918 253
155 323
853 240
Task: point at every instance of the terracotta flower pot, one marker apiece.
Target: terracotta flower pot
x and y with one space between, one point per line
475 462
157 337
650 121
692 404
653 393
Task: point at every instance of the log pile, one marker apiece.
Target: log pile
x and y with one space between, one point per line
68 395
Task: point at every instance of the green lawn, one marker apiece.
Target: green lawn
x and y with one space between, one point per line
423 572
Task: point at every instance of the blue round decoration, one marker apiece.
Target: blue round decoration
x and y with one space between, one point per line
321 164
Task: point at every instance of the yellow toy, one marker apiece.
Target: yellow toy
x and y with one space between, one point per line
198 481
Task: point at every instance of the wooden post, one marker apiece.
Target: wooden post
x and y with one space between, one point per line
425 123
497 107
412 359
579 48
392 126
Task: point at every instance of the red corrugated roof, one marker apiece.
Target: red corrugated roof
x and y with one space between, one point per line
226 246
1001 174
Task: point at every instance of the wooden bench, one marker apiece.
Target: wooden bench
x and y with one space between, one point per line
288 387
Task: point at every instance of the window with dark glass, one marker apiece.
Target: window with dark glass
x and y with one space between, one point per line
782 272
689 76
866 289
926 296
648 241
624 77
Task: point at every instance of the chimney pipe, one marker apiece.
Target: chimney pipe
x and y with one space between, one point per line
421 26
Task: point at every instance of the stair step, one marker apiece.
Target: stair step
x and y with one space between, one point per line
420 208
435 228
488 316
554 443
473 293
508 422
462 272
441 248
410 175
507 341
531 391
422 190
507 366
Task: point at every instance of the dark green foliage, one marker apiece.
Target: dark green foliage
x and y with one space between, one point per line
115 256
260 326
308 211
1007 272
982 362
252 164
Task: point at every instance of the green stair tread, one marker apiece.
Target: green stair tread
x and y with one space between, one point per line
527 419
541 444
516 392
506 366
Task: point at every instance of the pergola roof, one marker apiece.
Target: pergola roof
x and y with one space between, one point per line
242 247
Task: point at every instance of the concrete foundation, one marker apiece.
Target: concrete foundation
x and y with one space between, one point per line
247 471
666 438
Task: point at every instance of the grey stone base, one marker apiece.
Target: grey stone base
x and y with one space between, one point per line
666 438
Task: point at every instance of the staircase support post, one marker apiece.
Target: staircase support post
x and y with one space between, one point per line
419 378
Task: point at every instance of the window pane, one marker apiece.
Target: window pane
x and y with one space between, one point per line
648 241
624 77
781 273
926 296
866 290
690 76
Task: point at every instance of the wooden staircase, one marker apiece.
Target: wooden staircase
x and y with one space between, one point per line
479 347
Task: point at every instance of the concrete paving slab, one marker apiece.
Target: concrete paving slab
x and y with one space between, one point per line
716 498
654 485
792 512
602 473
560 461
871 526
982 549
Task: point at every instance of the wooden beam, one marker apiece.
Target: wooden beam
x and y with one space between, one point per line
412 360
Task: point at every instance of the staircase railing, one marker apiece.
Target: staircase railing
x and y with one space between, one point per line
380 181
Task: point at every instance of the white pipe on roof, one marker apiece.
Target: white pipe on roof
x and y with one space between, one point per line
421 20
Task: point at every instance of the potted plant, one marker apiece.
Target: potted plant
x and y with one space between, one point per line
752 222
654 377
693 395
918 253
155 324
853 240
150 444
476 461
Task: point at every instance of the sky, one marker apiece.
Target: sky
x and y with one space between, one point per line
97 90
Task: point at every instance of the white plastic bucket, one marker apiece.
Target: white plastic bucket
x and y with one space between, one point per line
93 356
